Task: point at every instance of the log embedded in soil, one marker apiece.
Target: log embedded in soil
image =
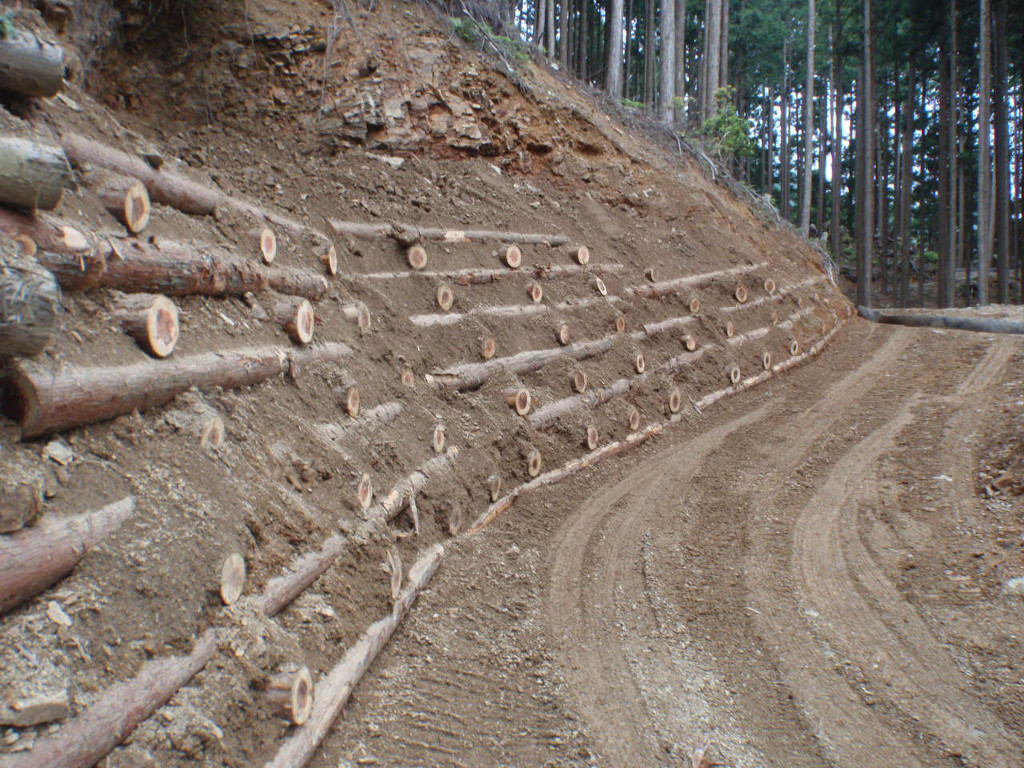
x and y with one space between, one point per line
33 559
394 565
633 420
562 334
32 175
513 257
394 502
127 200
232 578
373 419
568 470
675 400
510 310
329 258
29 304
740 294
620 324
534 462
364 491
296 315
488 348
494 486
30 66
743 338
671 323
445 297
151 320
46 399
518 398
578 381
410 233
334 691
591 440
289 694
117 712
473 375
639 363
956 322
416 256
671 287
466 277
359 312
268 245
437 438
281 590
580 254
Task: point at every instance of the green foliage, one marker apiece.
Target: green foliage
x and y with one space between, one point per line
480 33
727 131
630 104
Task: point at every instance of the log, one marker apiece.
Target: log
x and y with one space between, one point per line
651 275
289 694
769 286
494 486
408 378
620 324
535 292
938 320
232 578
740 294
268 245
437 438
29 305
395 570
730 329
352 402
281 590
87 739
465 277
127 200
733 372
334 691
578 381
513 257
672 287
694 306
766 360
213 433
519 399
743 338
370 420
164 186
30 66
388 508
634 419
46 399
534 461
557 475
639 363
359 312
669 324
32 175
21 504
600 287
562 334
297 317
689 343
794 347
488 348
35 558
151 320
445 297
364 491
416 256
508 310
580 254
591 440
410 233
329 258
473 375
675 400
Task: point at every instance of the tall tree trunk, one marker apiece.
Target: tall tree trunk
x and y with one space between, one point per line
540 23
839 100
784 179
955 180
613 81
805 194
551 30
712 56
668 59
630 42
1002 153
825 142
563 34
882 185
907 159
944 207
680 71
650 61
723 53
584 29
984 152
865 157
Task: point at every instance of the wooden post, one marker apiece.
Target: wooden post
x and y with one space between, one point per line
32 175
35 558
30 66
151 320
29 304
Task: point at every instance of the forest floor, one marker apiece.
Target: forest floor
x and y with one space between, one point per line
810 572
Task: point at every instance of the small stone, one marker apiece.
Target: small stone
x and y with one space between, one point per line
57 615
37 710
59 451
1014 587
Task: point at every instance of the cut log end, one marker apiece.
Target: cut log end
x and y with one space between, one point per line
620 324
290 695
513 257
408 378
268 245
694 305
592 438
128 203
395 571
232 578
494 487
445 297
651 275
766 360
364 492
534 462
562 334
417 257
519 399
578 380
298 319
213 433
634 419
330 260
794 347
639 363
364 320
437 438
675 400
600 286
733 371
352 402
535 292
740 294
151 320
689 343
73 240
730 329
582 255
488 348
769 286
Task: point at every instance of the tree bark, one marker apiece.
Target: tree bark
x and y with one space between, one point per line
907 159
29 304
88 738
613 81
865 160
668 59
32 175
334 691
784 173
35 558
30 66
1002 153
839 102
680 65
805 193
984 152
47 399
944 209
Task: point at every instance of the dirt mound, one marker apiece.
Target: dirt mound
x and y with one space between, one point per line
291 117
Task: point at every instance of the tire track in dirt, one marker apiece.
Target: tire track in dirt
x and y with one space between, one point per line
593 559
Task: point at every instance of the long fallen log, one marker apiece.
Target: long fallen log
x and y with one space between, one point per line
485 276
47 399
29 305
508 310
670 287
334 691
30 66
473 375
409 234
35 558
88 738
567 470
32 174
938 320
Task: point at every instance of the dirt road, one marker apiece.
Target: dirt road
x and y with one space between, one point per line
804 575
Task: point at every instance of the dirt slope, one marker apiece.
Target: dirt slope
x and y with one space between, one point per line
612 619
